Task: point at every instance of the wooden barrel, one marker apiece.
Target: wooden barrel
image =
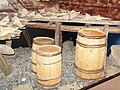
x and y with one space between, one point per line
90 53
37 42
49 65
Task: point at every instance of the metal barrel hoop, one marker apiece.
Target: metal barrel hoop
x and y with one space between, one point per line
89 71
90 46
40 63
49 78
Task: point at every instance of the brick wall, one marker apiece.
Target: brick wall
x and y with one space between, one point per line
106 8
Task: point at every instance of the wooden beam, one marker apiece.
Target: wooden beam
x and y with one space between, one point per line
112 29
4 67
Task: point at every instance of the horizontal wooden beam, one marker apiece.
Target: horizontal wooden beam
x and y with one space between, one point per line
112 29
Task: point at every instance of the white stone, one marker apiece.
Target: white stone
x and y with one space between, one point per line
23 79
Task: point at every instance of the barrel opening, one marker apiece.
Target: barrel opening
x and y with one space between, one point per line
49 49
43 40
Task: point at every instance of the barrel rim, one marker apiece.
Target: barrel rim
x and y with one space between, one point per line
49 55
91 37
41 43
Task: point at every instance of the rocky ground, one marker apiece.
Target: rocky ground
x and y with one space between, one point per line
20 64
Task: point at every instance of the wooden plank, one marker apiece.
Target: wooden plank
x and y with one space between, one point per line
112 29
113 84
4 67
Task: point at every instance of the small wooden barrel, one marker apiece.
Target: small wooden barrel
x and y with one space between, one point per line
37 42
90 53
49 65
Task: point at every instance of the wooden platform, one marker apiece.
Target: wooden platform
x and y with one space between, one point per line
113 84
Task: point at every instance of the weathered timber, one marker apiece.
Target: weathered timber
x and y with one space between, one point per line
112 29
27 36
58 40
4 67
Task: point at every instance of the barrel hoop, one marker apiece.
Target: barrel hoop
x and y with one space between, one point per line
40 63
89 71
91 37
90 46
49 86
49 55
49 78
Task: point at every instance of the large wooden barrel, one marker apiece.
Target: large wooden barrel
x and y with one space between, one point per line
49 65
90 53
37 42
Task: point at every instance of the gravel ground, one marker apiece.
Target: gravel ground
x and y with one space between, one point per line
20 64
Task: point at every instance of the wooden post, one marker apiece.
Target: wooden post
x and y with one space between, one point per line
58 39
27 36
4 67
